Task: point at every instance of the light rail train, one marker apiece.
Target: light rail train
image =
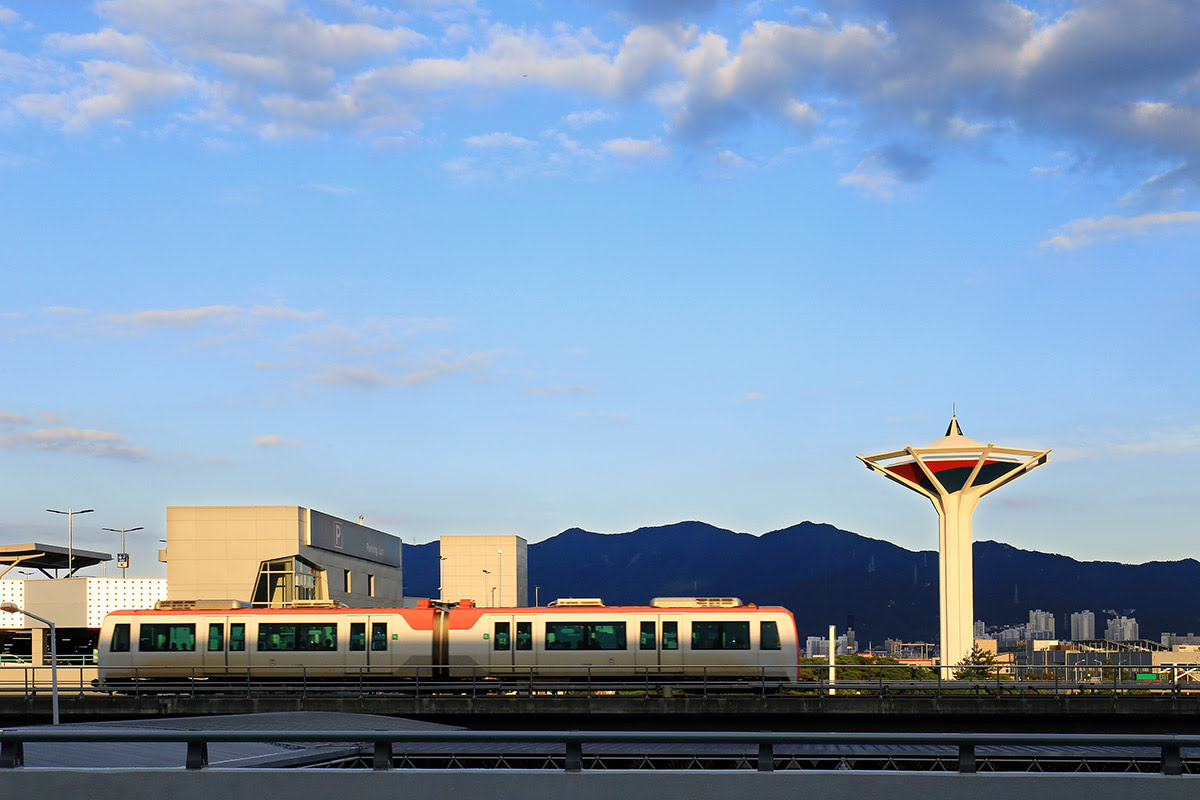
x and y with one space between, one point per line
672 637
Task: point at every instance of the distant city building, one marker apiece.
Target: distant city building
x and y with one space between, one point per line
1083 626
1175 639
980 629
1010 636
1121 629
818 646
1041 625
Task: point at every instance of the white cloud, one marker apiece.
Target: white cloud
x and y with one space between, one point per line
279 310
9 418
873 177
329 188
581 119
497 140
66 311
750 397
177 318
1178 441
1085 231
546 390
77 440
274 440
637 149
447 364
352 375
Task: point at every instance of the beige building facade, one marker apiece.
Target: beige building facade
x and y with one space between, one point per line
491 570
278 556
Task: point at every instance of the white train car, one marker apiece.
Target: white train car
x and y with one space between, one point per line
287 643
662 639
672 637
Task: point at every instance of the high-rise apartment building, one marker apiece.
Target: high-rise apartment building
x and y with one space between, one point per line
1083 625
1041 624
1121 629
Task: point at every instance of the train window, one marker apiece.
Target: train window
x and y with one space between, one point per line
160 638
500 640
524 635
297 636
237 637
670 636
720 635
768 636
379 636
216 637
358 636
585 635
120 638
647 642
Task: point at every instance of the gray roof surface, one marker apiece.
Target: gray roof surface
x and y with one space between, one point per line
222 754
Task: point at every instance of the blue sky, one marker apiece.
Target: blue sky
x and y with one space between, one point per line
471 267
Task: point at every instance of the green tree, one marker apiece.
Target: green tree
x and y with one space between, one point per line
979 664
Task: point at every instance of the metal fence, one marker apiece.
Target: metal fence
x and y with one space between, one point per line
760 751
704 680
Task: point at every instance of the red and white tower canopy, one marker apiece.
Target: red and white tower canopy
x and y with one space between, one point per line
954 472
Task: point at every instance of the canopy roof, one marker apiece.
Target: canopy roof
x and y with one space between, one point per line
48 556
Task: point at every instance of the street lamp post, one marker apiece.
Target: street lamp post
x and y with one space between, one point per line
535 595
442 577
486 592
124 552
70 535
13 608
500 574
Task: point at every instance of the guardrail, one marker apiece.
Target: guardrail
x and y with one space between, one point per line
380 743
704 680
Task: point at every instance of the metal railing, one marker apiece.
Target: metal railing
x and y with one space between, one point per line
764 747
597 681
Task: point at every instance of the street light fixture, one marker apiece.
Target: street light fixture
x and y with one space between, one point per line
13 608
123 556
442 577
486 592
70 535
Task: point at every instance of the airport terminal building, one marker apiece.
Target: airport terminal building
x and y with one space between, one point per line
278 557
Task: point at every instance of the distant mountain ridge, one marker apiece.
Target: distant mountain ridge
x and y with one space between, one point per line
824 574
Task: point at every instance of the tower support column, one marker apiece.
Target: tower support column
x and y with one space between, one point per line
956 591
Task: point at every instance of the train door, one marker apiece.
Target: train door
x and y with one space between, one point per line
213 631
670 651
500 649
379 646
524 645
645 643
358 656
238 637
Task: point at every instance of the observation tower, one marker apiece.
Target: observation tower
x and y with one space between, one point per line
954 472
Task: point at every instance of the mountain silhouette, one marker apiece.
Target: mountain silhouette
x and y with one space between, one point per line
824 575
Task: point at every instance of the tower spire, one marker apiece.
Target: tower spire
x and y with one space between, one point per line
954 429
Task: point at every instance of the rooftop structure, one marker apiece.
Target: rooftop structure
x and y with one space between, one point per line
44 557
955 472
